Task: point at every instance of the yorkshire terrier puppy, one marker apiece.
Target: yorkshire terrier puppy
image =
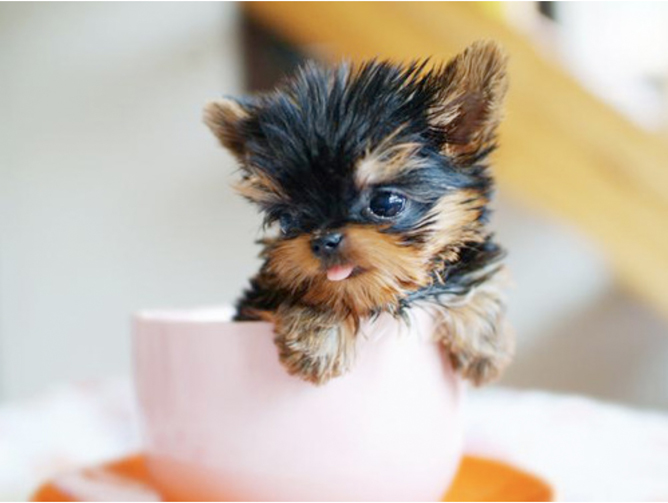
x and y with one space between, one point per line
377 175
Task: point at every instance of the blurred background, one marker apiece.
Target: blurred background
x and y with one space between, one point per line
115 197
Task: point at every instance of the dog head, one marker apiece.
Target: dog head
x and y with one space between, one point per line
375 173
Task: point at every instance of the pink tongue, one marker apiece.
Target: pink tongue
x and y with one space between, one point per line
339 272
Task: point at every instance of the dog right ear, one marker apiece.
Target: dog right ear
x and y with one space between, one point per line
473 87
226 117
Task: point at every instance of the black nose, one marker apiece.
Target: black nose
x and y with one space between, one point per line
326 244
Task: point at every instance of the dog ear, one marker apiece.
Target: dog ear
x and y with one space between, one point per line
226 118
468 108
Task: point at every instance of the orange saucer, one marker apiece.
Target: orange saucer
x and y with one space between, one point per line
478 479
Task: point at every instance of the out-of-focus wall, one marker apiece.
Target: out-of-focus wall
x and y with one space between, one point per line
619 51
114 194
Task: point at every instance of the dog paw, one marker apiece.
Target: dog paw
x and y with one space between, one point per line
316 355
480 368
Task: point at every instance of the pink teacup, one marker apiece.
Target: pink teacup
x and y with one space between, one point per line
224 421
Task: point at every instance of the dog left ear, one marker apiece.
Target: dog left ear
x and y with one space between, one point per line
473 86
226 117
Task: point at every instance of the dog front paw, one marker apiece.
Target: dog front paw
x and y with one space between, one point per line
314 352
479 368
316 360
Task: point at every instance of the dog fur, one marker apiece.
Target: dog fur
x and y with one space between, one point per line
379 170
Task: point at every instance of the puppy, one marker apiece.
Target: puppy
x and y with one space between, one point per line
377 176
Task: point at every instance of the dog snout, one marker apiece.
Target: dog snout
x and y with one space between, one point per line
327 244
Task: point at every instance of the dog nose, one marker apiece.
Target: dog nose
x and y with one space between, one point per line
326 244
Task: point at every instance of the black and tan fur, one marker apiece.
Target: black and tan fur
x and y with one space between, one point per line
332 152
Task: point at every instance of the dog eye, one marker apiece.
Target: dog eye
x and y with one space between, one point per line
288 222
387 204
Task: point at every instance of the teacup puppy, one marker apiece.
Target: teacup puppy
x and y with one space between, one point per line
377 175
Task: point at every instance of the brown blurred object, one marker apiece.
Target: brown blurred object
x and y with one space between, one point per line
563 150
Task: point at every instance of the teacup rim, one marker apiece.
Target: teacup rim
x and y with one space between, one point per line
200 315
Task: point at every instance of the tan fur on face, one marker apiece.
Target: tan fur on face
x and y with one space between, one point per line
453 221
386 162
389 269
293 263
